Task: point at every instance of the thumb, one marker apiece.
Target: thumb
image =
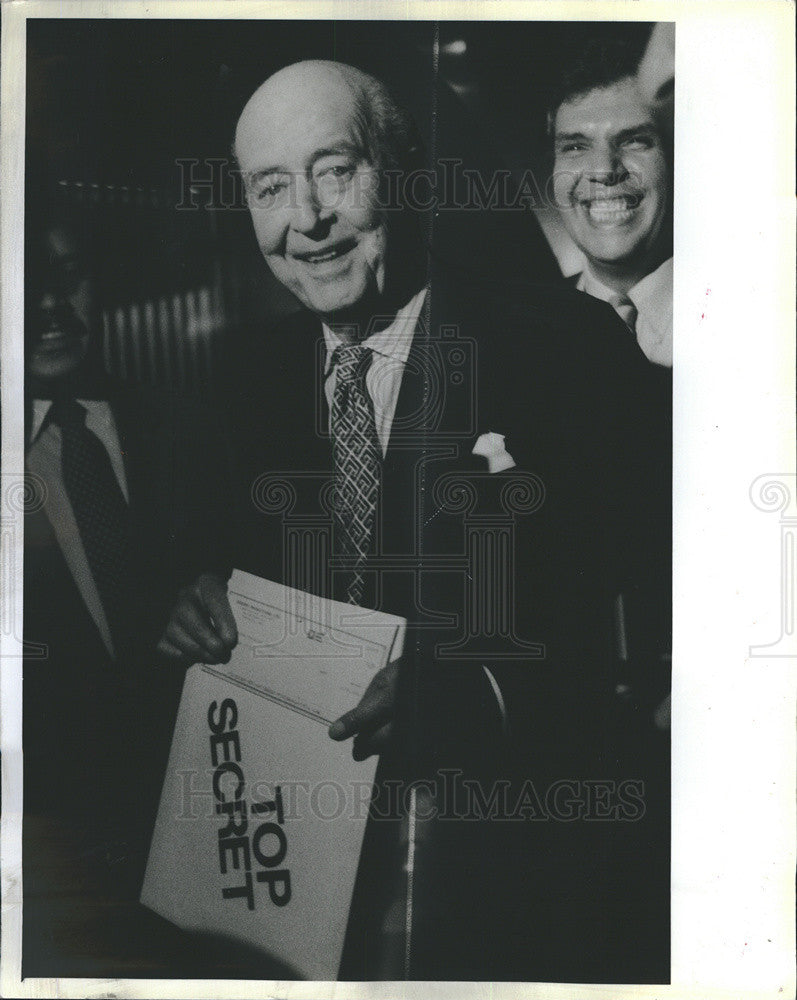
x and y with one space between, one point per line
346 725
374 708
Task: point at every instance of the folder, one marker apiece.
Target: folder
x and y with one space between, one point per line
262 815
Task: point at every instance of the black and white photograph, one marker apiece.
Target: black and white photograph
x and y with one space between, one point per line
342 528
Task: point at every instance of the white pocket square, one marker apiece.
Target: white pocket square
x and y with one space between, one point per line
491 446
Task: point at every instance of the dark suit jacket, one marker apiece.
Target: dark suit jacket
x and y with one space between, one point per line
557 374
96 731
574 897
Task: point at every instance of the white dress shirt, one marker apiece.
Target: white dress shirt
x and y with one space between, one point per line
44 460
652 297
391 348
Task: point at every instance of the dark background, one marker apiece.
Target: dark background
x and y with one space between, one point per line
112 105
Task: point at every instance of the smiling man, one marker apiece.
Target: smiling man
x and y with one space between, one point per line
613 188
612 144
390 385
59 341
312 144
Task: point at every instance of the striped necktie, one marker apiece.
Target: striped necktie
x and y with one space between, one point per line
101 512
357 462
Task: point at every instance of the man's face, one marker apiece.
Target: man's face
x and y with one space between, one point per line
610 175
312 191
58 311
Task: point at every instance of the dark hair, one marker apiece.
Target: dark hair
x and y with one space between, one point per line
601 60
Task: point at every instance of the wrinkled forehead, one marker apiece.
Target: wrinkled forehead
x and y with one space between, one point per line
620 105
293 116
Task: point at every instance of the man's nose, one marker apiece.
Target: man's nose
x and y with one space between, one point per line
310 212
50 299
606 165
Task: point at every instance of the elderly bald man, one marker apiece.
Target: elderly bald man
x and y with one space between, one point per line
425 398
313 144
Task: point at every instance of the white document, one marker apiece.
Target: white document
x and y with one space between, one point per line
262 815
312 655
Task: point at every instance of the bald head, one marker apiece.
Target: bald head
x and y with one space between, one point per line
312 145
305 93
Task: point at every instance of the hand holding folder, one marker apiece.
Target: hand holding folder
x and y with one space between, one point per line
262 815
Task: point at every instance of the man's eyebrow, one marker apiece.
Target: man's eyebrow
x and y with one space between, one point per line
256 175
318 154
569 136
337 149
644 128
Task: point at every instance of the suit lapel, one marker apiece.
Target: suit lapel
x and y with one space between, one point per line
412 424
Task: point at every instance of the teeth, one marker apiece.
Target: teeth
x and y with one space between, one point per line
613 204
318 257
609 206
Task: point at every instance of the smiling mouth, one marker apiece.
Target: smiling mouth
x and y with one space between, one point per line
57 338
56 345
326 254
612 211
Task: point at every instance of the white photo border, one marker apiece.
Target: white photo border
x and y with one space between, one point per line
733 738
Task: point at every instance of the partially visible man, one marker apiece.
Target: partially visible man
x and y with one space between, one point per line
123 514
613 188
612 144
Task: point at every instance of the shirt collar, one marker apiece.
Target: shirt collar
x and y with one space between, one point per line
648 295
41 407
587 282
652 297
653 294
393 342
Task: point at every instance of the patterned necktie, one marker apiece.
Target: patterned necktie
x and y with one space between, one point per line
357 461
626 310
101 513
